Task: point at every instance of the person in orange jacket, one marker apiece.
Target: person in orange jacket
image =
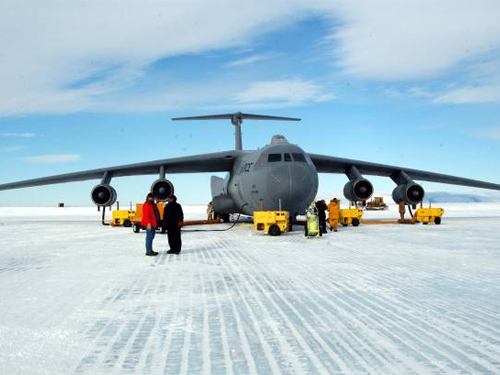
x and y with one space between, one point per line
334 214
150 220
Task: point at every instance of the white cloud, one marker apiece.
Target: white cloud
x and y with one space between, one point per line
19 135
53 159
471 94
393 40
289 92
60 57
49 49
251 60
5 150
487 132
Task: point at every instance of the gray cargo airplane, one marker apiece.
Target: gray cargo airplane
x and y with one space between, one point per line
280 174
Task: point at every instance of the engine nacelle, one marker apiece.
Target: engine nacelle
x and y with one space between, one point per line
103 195
358 190
162 189
411 193
224 204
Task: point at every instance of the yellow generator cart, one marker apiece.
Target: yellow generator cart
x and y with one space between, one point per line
122 218
272 222
429 215
351 216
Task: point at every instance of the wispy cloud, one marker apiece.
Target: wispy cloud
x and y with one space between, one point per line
53 159
251 60
471 94
407 40
19 135
284 92
492 132
5 150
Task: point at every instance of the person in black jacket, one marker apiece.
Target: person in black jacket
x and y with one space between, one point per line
321 206
173 219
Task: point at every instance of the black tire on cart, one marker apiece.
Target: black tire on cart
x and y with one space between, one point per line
355 222
127 223
225 218
437 220
137 228
274 230
425 222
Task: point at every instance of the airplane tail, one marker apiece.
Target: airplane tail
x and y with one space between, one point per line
237 120
216 186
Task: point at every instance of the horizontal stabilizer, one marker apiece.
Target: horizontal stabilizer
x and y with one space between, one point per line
237 120
238 115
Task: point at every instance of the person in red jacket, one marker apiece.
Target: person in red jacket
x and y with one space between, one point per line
150 221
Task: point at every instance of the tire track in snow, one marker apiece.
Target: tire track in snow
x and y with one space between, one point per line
300 335
263 349
436 350
360 358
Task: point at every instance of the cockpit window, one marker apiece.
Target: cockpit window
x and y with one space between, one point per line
299 157
288 157
271 158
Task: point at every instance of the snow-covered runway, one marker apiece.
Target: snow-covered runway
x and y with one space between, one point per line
77 297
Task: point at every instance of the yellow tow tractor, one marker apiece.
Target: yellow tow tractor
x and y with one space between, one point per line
272 222
429 215
123 218
350 216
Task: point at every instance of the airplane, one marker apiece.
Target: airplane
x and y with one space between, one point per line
280 175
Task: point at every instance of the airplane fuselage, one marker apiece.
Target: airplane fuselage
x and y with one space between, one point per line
278 175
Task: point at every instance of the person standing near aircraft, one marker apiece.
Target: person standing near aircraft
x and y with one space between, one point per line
173 219
402 210
321 206
150 220
334 214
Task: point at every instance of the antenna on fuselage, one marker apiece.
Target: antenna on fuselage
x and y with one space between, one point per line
237 120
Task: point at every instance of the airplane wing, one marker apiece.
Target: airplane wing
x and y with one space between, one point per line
331 164
215 162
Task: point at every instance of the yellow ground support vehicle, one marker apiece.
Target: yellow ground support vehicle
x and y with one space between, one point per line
272 222
122 218
351 216
376 204
429 215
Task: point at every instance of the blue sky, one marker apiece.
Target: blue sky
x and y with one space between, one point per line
415 84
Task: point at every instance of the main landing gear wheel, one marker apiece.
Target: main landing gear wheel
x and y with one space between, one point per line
274 230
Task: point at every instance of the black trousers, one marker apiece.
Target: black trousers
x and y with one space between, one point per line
174 239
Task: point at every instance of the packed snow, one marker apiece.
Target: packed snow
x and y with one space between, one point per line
79 297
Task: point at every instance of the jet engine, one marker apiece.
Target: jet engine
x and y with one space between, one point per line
162 189
411 193
103 195
358 190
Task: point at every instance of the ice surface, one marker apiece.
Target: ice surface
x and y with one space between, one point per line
78 297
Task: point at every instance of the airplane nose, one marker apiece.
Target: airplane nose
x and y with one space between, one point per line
292 184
